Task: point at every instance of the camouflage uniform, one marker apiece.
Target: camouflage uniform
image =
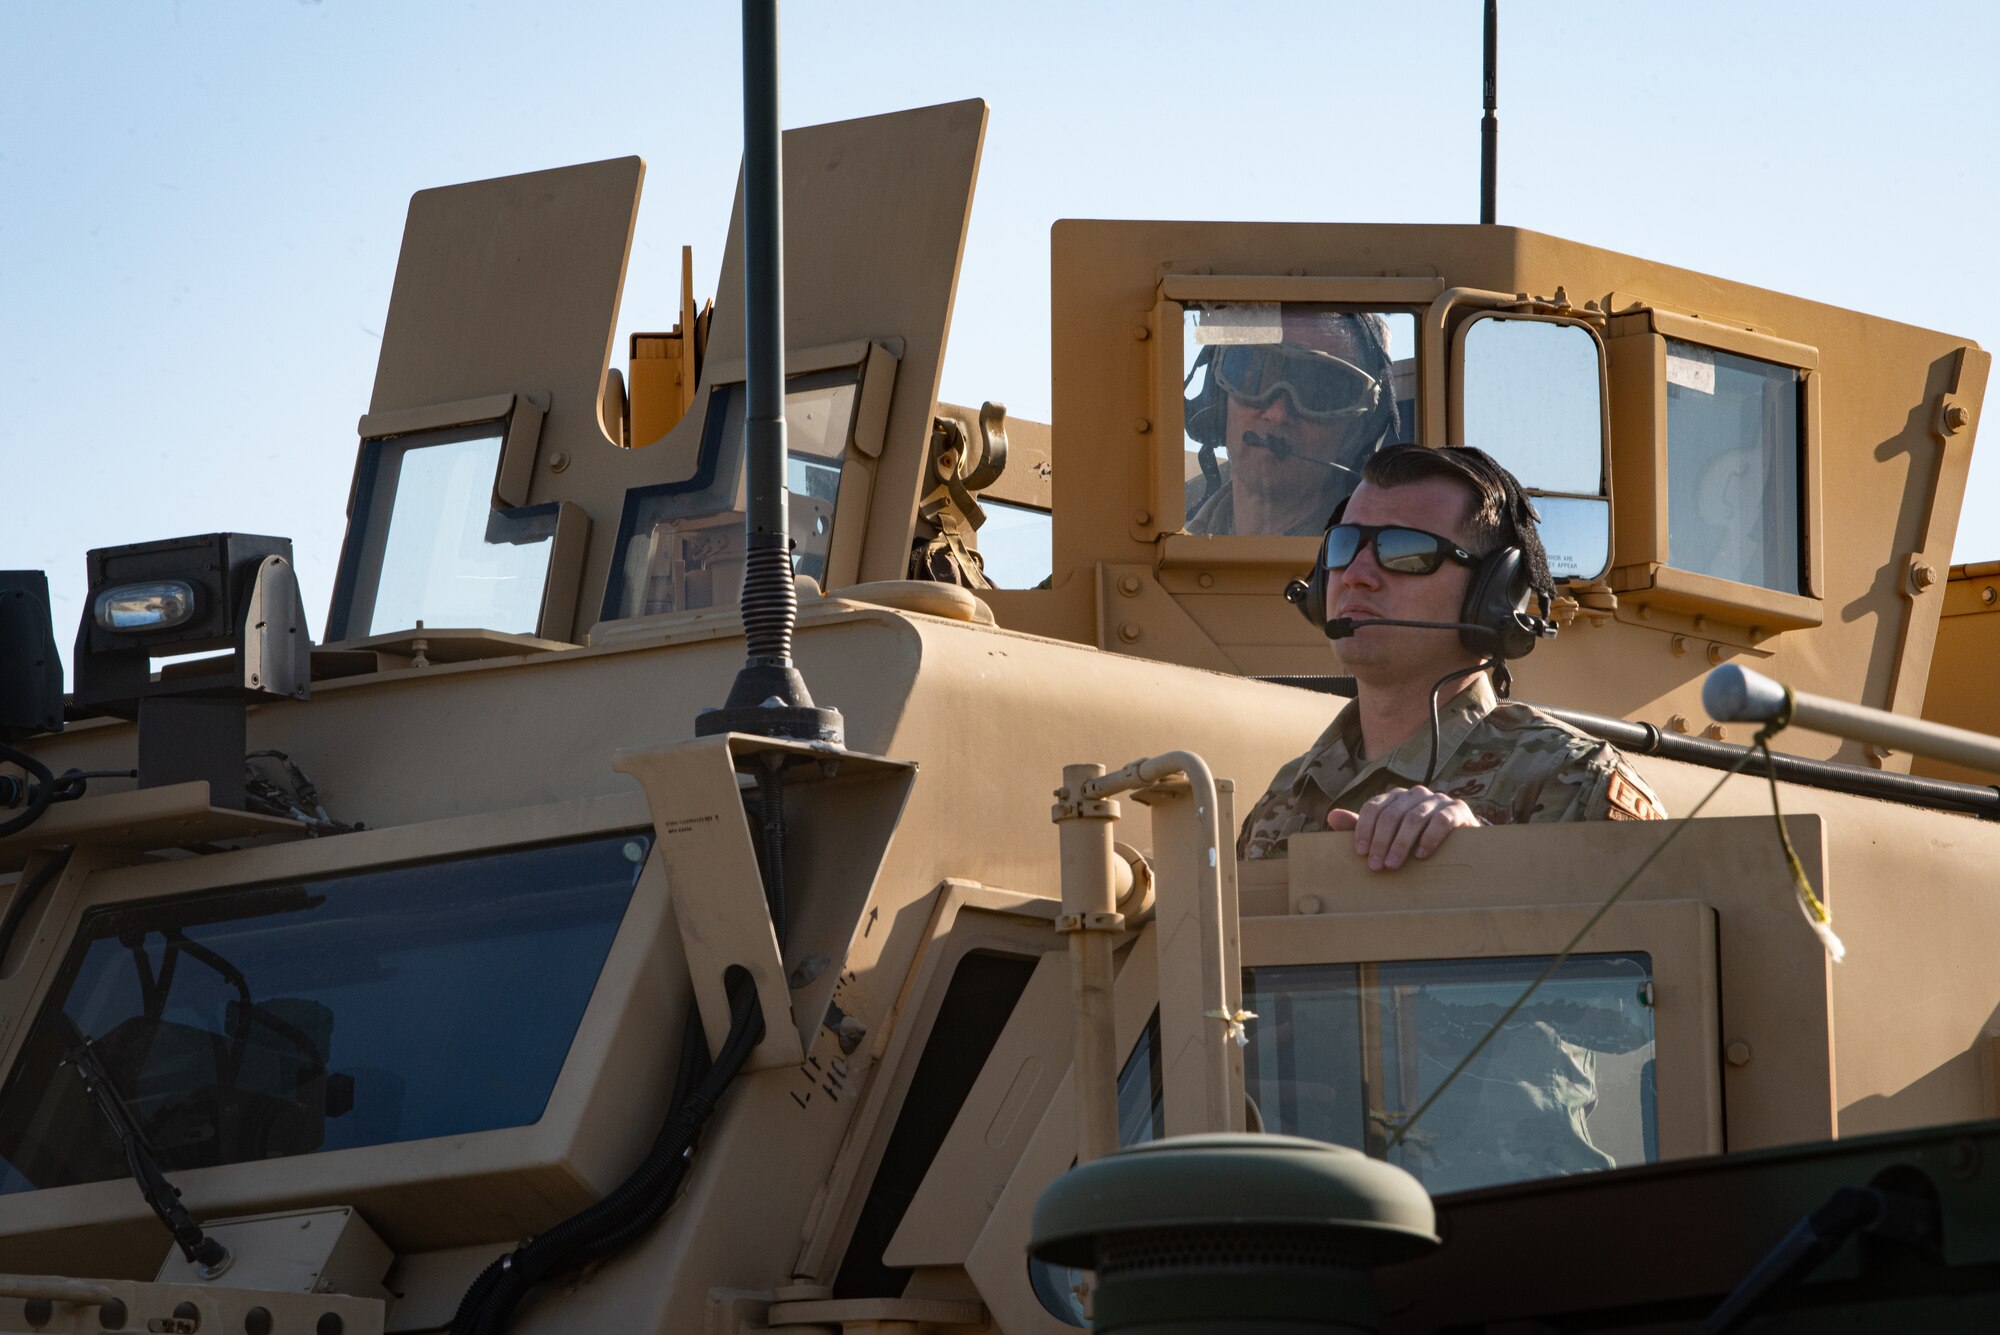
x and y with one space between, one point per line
1509 762
1216 517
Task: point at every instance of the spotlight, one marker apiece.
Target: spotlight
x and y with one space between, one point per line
232 592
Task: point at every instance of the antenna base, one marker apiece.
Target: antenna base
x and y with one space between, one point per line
771 700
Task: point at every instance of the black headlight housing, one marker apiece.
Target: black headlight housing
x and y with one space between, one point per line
219 591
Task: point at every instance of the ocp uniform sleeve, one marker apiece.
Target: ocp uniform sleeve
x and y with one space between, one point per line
1614 791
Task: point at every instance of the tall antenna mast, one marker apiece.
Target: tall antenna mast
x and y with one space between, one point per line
1489 125
769 697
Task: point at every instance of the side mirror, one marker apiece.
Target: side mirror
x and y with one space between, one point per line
1531 393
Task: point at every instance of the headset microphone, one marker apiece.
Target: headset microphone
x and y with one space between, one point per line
1341 628
1514 631
1281 448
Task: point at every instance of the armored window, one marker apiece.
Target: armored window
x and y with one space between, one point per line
1016 544
1282 404
681 544
983 992
1060 1289
430 543
1734 467
1347 1053
1716 457
281 1019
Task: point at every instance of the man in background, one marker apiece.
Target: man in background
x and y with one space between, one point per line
1295 418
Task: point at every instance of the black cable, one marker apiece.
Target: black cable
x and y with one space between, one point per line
38 800
301 804
70 785
634 1205
141 1159
1430 770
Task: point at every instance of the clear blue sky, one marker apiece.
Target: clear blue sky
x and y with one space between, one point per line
201 202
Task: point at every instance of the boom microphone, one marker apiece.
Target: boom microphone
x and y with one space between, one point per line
1281 448
1341 628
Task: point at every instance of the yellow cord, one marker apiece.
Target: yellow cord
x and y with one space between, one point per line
1810 904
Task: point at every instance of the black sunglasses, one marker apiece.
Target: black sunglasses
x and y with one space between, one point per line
1405 551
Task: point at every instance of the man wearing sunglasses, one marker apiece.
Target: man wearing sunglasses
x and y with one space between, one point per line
1442 537
1296 419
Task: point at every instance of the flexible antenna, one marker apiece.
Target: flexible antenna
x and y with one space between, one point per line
1489 125
769 697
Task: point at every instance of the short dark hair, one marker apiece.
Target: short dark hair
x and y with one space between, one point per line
1500 512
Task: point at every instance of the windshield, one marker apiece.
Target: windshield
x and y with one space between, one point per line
380 1006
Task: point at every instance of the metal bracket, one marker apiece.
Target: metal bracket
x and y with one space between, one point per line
1098 808
845 807
1089 922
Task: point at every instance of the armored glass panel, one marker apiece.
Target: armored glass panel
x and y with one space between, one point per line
1734 479
1283 404
1016 544
1347 1052
681 544
1063 1290
984 990
365 1009
1141 1105
431 549
1534 400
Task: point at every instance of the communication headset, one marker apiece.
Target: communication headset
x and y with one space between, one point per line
1506 606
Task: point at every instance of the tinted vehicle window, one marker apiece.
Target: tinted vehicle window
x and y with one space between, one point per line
266 1021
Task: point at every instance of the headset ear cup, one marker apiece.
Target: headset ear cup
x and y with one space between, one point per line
1499 593
1313 605
1202 414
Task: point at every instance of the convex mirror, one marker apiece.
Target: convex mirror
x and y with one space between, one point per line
1531 393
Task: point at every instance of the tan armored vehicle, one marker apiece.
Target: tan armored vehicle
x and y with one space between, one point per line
429 1014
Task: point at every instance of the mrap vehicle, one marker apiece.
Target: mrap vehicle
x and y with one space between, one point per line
449 965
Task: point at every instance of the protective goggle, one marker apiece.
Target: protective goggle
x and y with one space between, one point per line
1403 551
1320 385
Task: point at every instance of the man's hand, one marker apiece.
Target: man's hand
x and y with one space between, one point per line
1393 824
